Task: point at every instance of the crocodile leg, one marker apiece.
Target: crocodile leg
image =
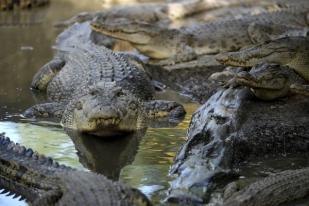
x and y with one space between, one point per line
45 110
157 109
47 73
300 89
260 33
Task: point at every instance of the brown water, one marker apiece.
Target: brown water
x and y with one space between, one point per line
140 162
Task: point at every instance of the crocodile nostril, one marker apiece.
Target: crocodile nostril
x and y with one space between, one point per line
93 92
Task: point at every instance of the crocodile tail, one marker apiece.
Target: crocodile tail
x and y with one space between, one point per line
23 171
15 152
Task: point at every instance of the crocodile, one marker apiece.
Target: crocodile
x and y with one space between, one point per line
290 51
159 13
96 91
268 81
43 181
273 190
154 13
188 42
22 4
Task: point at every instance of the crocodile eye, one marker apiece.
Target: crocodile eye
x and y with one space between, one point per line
79 106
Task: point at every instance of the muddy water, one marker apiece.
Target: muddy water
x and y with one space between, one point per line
25 41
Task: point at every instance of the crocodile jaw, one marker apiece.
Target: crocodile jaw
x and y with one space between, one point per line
108 127
135 37
280 51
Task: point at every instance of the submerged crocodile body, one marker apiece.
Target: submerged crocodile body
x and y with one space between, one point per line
274 190
22 4
94 90
290 51
42 181
186 43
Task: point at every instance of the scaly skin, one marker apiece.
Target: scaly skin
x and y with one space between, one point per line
22 4
266 81
42 181
186 43
274 190
159 13
291 51
98 92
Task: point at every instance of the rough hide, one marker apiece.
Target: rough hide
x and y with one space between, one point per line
233 126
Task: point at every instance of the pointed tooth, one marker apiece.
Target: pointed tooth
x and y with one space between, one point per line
29 153
49 161
22 150
4 191
21 198
16 196
5 141
35 155
56 164
10 193
10 146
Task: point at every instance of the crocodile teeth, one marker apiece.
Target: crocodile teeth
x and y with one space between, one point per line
16 196
110 121
4 191
10 193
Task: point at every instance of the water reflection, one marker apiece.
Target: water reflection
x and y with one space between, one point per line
106 156
48 140
22 17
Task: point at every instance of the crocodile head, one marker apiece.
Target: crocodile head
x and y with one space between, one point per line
266 81
279 51
121 28
104 110
151 40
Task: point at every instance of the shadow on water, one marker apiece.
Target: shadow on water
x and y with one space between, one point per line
106 156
